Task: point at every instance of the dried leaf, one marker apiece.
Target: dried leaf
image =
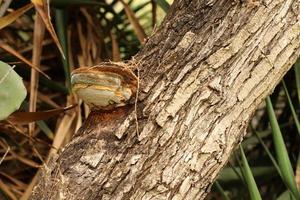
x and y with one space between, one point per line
138 29
10 18
28 117
14 180
154 12
6 190
12 51
29 188
4 146
3 6
25 160
115 48
37 2
66 128
38 36
42 8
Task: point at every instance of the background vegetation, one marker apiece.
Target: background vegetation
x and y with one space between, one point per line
86 32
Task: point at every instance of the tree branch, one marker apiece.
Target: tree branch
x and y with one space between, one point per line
202 74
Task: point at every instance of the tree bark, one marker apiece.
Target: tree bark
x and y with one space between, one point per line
202 74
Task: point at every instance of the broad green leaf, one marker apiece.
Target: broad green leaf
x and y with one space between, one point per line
12 90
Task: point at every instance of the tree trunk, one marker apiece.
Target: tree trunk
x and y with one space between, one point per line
202 74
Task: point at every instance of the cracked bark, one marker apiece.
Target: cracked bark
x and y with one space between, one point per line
202 74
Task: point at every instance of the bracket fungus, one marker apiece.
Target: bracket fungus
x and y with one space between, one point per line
104 86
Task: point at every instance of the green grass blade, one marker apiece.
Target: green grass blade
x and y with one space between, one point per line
45 82
298 170
55 86
285 196
44 127
297 74
292 107
41 124
281 152
252 187
240 173
163 4
252 140
221 191
61 29
273 160
230 174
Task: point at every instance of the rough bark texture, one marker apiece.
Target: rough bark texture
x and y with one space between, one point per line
202 74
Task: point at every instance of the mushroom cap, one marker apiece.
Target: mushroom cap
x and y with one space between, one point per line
104 86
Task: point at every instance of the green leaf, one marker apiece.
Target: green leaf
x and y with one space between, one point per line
268 153
273 160
281 152
285 196
229 174
221 191
61 27
291 107
163 4
12 90
45 128
252 140
252 187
